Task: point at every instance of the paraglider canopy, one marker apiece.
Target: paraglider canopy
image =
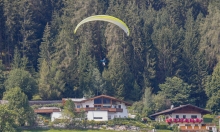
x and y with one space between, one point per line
106 18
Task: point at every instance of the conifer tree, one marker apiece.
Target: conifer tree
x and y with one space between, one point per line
51 84
46 45
2 79
210 37
193 69
167 38
212 83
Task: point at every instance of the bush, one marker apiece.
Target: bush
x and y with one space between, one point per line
110 123
158 125
46 122
175 128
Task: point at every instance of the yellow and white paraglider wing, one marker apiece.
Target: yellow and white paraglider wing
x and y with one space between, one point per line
106 18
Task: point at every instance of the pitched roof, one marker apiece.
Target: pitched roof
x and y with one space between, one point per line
169 111
81 100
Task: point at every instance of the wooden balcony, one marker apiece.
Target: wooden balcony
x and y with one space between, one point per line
191 129
99 109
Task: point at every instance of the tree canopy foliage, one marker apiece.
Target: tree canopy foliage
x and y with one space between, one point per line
173 47
18 102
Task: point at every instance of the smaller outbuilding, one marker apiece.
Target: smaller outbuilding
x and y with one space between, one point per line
55 112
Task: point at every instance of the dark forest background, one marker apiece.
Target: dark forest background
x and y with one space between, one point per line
170 57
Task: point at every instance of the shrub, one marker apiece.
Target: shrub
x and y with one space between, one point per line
159 125
46 122
110 123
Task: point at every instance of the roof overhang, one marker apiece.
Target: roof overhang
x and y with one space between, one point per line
170 111
109 97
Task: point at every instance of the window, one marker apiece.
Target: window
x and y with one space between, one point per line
78 106
106 101
109 117
87 106
98 101
119 106
115 106
193 116
184 116
177 116
97 117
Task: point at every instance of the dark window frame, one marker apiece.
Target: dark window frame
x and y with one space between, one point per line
97 117
177 116
193 116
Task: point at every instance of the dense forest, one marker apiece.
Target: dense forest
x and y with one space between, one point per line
170 57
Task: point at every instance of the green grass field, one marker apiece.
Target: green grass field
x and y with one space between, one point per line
81 131
67 130
164 131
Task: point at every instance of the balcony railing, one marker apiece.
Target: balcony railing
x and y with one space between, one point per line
184 120
99 109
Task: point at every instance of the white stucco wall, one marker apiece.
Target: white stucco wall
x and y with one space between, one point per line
123 114
92 114
105 114
55 115
187 115
89 102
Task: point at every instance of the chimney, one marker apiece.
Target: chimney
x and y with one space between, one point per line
172 106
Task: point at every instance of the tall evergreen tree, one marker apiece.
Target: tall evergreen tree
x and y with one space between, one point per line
212 83
193 67
210 37
2 79
167 38
51 84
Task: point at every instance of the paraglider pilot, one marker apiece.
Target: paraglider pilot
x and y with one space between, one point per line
103 62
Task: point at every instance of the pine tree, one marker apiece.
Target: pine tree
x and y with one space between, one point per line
51 84
193 69
2 79
98 83
46 45
212 83
167 38
210 37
